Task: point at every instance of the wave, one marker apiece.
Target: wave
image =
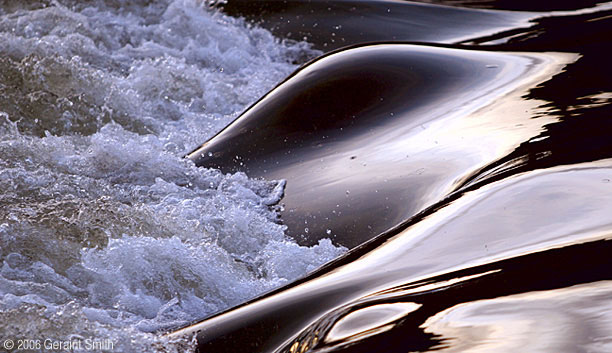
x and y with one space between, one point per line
486 259
467 171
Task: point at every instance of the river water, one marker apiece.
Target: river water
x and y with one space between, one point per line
106 232
454 160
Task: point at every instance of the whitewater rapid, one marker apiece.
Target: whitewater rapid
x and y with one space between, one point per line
106 231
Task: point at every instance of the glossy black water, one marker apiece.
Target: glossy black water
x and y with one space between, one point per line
352 134
584 265
520 5
332 24
511 256
525 215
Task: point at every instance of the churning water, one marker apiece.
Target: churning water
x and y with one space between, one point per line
106 232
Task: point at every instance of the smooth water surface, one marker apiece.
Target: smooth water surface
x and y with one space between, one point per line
512 252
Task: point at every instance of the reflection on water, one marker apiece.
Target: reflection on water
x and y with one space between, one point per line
332 24
573 319
523 214
501 182
370 320
469 171
503 225
358 126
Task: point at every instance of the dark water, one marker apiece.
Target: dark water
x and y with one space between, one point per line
356 133
472 165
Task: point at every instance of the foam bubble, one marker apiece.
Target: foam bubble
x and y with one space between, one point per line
105 230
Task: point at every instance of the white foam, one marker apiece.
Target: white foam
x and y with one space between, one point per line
105 231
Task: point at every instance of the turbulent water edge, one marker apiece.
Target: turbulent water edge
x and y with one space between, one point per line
106 232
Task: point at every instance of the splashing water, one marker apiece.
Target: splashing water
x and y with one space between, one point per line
106 232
